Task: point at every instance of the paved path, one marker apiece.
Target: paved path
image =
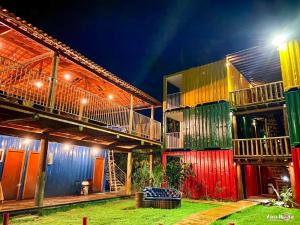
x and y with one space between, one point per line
211 215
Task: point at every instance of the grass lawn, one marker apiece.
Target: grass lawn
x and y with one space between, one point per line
114 212
258 215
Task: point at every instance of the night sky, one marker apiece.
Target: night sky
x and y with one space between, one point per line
140 41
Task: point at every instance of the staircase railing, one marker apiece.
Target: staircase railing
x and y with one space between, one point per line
174 140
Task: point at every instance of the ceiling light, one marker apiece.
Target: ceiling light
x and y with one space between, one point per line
67 76
84 101
110 97
38 84
280 41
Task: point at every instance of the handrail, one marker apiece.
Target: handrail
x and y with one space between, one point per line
262 147
31 88
259 94
120 174
174 140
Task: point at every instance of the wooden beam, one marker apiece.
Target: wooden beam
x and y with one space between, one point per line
267 109
53 83
131 114
129 173
37 58
40 186
239 181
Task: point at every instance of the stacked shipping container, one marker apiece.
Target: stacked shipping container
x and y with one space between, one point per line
206 126
290 67
67 166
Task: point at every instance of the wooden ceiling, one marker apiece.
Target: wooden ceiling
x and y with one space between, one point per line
16 45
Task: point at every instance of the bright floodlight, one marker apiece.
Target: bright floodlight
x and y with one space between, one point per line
285 178
280 41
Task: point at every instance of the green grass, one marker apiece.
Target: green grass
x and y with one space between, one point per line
120 212
258 215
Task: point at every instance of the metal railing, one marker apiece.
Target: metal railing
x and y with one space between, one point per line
262 147
264 93
120 175
174 140
174 101
32 88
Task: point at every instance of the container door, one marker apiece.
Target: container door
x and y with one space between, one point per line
31 175
98 175
12 174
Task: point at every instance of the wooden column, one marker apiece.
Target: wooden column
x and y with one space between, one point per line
292 179
239 181
40 186
151 166
53 83
129 173
151 137
131 114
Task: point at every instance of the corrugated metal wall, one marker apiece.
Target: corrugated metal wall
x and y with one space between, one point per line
208 126
251 180
292 99
296 166
215 173
69 168
290 64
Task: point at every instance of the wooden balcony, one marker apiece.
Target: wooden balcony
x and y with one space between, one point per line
260 94
38 90
262 148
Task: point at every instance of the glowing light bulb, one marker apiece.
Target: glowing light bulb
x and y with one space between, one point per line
280 41
67 76
66 146
110 97
38 84
27 141
84 101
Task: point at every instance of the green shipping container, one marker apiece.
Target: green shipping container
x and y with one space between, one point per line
207 127
292 99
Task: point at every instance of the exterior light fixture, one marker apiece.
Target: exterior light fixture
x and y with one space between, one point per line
285 178
227 64
84 101
95 150
280 41
27 141
291 164
38 84
66 146
110 97
67 76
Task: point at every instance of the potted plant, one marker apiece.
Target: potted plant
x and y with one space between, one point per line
141 179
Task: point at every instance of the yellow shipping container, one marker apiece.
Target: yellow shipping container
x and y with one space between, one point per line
290 64
208 83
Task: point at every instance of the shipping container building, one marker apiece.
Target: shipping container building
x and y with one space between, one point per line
246 105
62 118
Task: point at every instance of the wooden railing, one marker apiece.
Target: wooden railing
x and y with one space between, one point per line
270 92
262 147
174 140
32 87
174 101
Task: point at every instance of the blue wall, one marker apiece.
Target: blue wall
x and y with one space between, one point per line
70 166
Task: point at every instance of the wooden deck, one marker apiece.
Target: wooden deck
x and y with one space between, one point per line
28 205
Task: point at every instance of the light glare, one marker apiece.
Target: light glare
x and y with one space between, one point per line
38 84
84 101
67 76
110 97
280 41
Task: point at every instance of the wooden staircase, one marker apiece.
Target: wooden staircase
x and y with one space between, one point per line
114 175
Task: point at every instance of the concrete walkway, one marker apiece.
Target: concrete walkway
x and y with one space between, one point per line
209 216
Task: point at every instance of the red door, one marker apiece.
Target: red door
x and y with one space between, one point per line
12 174
31 175
98 174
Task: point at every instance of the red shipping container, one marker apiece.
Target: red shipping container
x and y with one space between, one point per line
215 173
251 180
296 165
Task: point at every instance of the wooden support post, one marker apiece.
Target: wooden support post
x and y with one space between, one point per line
292 179
151 166
131 114
40 186
129 173
234 127
152 133
53 83
239 181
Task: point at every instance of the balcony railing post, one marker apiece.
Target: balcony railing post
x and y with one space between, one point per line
131 114
152 123
53 83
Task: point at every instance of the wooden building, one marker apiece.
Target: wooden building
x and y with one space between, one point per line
53 95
